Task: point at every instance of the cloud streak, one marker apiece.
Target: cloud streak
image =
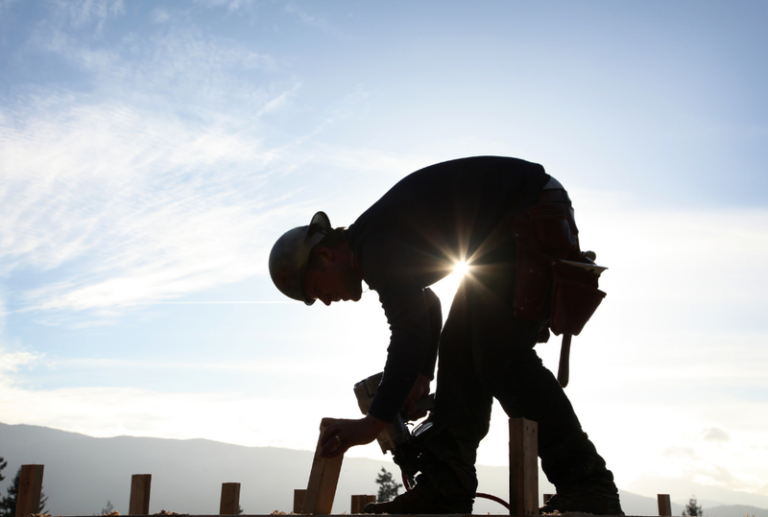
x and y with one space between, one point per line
149 208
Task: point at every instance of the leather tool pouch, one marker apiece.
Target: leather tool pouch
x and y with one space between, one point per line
575 297
545 288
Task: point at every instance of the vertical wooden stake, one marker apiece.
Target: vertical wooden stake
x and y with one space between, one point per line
359 502
523 467
30 486
665 506
140 488
323 479
298 499
230 499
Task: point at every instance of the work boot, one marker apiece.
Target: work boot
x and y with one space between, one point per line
584 499
419 501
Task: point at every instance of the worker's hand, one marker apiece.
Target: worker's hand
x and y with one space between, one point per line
419 391
349 433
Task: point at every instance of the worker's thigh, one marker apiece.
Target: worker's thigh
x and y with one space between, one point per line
463 403
505 361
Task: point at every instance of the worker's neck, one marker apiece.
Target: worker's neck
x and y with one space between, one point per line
355 263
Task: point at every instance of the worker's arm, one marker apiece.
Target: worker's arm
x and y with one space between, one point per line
350 433
435 314
405 306
421 388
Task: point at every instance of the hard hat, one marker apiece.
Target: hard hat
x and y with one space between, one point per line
290 254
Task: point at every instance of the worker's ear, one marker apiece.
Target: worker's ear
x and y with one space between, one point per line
326 254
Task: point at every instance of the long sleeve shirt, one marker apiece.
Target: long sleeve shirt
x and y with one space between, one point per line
415 235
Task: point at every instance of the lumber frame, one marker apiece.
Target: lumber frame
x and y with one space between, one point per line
359 502
570 514
230 499
523 467
30 487
298 499
141 485
323 478
665 505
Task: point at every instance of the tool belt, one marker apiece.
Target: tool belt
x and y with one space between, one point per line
550 285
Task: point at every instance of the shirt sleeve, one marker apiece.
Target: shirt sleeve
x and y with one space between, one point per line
435 312
405 306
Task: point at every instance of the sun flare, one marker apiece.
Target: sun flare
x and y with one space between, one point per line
461 268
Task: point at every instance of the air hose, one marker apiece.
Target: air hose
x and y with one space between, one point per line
409 484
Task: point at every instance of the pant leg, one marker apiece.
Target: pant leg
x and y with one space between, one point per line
486 352
509 368
462 412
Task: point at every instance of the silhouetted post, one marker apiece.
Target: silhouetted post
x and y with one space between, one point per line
665 506
140 488
230 499
30 486
298 499
523 467
359 502
323 479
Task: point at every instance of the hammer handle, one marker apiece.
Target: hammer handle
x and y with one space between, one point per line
565 354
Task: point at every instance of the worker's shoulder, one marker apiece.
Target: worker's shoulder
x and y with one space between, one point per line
486 160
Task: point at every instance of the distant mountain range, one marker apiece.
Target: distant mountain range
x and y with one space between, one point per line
82 473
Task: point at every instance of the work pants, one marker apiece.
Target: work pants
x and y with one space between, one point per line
485 353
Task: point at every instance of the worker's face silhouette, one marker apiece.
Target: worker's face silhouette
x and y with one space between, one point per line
332 278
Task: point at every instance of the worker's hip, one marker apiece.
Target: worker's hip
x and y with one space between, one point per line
544 233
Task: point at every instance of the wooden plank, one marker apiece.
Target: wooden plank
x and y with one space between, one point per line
359 502
347 515
574 514
665 505
323 478
141 485
298 499
30 487
230 499
523 467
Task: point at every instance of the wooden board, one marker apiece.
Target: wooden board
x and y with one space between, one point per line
359 502
30 487
230 499
323 478
665 506
523 467
390 515
298 499
141 485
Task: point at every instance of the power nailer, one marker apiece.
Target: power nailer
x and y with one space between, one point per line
397 438
405 445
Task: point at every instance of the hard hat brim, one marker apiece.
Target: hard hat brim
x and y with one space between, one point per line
290 256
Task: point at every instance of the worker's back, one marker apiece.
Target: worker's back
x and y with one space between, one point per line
440 215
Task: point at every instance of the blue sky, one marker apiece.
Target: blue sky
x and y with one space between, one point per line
151 153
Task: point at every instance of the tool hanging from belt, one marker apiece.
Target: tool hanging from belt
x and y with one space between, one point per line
573 304
555 282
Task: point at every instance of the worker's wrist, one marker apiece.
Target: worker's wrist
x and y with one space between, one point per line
374 423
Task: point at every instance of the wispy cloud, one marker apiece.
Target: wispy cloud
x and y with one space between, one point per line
310 19
150 208
82 13
123 199
12 361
